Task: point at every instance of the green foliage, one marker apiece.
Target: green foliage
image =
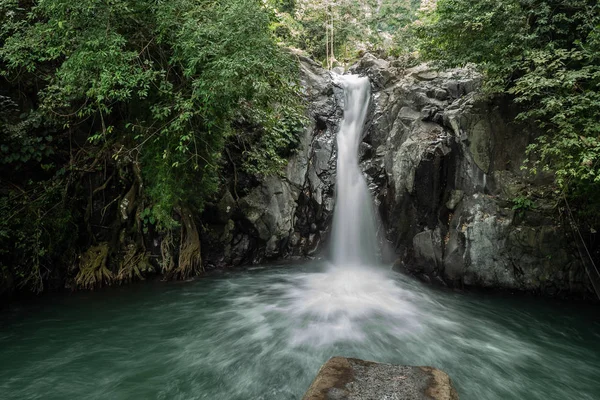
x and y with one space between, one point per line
164 85
168 77
36 230
365 25
277 135
522 204
18 146
546 54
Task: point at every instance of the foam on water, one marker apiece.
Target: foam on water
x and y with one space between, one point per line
337 303
334 305
264 334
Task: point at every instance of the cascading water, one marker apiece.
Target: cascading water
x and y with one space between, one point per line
343 300
354 230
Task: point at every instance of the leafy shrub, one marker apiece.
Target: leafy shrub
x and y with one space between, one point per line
158 85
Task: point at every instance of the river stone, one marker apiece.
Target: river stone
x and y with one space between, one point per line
352 379
426 75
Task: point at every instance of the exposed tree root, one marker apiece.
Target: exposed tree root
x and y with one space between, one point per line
122 257
190 257
93 271
166 253
189 262
129 202
134 266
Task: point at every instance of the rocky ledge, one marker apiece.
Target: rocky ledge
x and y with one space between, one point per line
443 162
351 379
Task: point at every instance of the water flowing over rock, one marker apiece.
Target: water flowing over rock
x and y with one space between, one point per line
354 231
443 164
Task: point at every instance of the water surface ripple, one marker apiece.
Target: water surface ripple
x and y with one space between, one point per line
263 334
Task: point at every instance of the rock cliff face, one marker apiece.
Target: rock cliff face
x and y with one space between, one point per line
290 215
443 163
452 160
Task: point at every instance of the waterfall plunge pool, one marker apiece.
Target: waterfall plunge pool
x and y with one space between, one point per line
264 333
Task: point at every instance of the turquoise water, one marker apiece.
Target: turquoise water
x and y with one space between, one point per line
263 334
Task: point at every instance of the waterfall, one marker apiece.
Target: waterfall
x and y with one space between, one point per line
354 230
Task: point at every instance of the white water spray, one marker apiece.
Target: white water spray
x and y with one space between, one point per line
339 304
354 230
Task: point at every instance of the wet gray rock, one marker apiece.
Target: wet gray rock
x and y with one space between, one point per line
288 215
427 247
381 72
452 159
226 207
443 164
270 209
352 379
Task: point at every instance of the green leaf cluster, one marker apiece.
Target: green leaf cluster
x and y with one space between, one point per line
37 230
522 204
